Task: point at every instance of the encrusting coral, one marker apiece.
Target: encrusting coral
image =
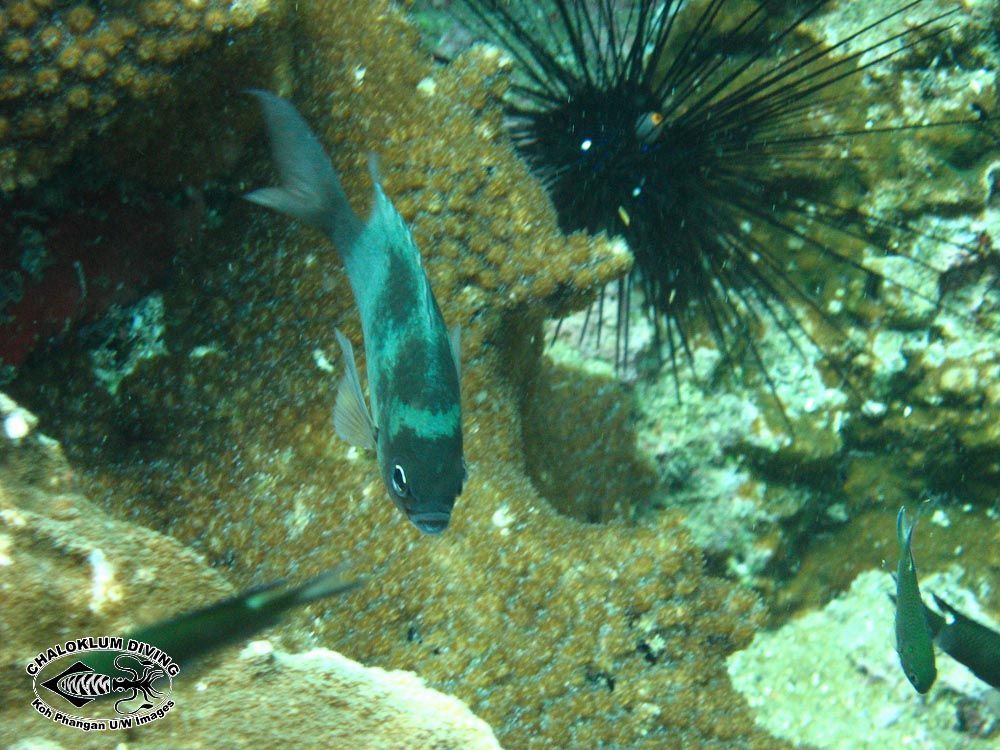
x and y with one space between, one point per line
68 67
67 568
556 632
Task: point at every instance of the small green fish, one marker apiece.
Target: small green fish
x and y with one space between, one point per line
966 641
193 634
415 424
913 634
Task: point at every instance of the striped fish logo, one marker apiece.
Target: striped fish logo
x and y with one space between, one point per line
80 684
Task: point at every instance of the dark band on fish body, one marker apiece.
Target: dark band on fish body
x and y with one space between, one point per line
399 300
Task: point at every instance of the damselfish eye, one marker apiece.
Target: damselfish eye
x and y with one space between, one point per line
398 480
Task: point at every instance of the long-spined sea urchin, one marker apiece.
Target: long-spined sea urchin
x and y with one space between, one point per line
711 134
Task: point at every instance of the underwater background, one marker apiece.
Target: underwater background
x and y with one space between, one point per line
643 555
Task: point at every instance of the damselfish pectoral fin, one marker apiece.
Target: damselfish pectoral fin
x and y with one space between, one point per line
351 418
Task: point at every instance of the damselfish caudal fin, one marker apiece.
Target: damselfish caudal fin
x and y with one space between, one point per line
277 597
310 189
326 584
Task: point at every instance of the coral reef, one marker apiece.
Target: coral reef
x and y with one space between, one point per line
68 67
905 402
555 632
66 567
322 700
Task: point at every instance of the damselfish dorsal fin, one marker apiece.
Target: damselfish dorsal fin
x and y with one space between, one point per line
351 419
455 338
904 534
374 168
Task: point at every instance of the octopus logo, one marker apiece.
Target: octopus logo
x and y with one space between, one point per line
135 678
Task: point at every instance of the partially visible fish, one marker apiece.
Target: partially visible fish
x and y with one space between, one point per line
190 635
415 424
913 634
966 641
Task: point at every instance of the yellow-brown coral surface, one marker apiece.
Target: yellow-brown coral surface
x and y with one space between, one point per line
558 633
67 67
68 568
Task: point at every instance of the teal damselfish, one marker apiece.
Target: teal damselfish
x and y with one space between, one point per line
913 633
193 634
415 423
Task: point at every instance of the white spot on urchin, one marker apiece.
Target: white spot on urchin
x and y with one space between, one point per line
502 519
874 408
319 357
17 425
203 351
102 586
359 74
427 86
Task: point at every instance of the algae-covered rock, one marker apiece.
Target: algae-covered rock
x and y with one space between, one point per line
322 700
67 569
261 697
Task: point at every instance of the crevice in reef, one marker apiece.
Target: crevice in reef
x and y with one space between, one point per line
579 443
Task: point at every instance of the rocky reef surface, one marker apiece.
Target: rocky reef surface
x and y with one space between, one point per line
201 445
